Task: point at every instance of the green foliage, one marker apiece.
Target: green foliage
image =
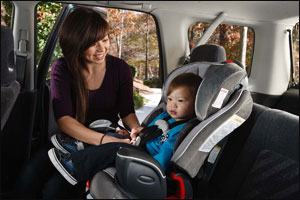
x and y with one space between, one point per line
6 14
153 82
47 13
133 70
138 100
56 54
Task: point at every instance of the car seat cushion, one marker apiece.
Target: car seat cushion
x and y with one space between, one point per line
274 130
272 176
106 182
191 153
220 80
9 86
8 71
215 90
8 97
208 53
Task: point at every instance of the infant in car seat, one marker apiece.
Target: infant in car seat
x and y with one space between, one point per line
77 166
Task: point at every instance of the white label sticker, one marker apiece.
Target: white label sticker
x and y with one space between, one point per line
220 98
222 131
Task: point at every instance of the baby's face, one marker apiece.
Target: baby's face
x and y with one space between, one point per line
180 104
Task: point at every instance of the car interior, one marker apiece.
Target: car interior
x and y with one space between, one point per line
247 147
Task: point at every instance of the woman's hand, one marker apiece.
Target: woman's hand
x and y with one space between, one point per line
123 132
131 122
135 132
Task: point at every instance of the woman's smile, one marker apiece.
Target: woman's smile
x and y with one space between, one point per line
99 56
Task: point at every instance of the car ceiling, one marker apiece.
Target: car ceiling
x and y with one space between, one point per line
250 10
259 11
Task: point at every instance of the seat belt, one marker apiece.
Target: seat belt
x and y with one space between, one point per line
21 63
154 131
21 57
213 159
205 173
208 32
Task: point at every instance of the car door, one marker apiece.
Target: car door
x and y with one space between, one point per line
41 125
25 130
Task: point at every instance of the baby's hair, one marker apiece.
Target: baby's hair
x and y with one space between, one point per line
189 80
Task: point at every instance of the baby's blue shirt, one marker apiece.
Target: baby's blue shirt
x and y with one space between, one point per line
161 148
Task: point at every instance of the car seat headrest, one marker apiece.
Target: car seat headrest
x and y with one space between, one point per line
8 71
220 80
208 53
219 83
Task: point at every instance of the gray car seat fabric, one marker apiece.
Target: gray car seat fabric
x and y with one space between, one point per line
227 104
218 116
208 53
289 101
10 88
108 176
278 178
267 162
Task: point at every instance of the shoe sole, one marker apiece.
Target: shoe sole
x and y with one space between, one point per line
57 145
60 168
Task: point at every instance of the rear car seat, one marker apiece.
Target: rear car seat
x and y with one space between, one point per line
260 160
208 53
10 88
289 101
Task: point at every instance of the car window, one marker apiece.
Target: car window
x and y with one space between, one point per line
46 13
295 46
6 13
133 38
230 37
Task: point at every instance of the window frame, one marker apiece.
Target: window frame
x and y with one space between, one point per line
248 67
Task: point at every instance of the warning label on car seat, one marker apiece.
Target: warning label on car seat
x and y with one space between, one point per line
220 98
222 131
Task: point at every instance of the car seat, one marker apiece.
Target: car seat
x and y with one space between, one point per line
208 53
216 53
10 88
222 104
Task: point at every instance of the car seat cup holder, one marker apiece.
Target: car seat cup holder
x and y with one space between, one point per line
222 104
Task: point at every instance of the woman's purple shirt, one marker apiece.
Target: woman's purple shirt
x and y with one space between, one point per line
113 98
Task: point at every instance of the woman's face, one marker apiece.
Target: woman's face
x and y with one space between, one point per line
97 52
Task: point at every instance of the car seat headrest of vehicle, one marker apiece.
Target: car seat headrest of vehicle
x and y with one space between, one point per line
220 81
208 53
8 72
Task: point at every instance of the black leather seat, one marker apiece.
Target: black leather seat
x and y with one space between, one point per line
10 88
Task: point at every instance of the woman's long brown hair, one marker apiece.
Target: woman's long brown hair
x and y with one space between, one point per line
79 31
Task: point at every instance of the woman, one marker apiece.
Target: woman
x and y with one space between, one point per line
87 84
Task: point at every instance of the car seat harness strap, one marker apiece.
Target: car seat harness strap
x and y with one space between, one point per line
161 127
